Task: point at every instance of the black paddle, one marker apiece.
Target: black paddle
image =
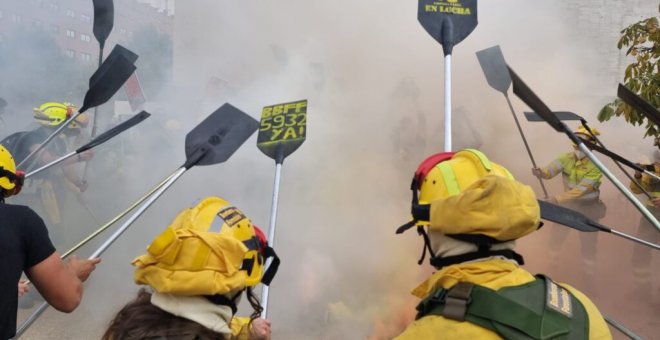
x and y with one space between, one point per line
535 103
561 115
492 62
100 139
103 84
283 130
104 16
448 23
578 221
639 104
213 141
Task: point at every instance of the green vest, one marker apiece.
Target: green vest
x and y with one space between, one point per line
540 309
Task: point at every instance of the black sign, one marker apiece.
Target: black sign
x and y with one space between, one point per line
448 21
283 129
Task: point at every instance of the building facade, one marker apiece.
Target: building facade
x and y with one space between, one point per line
70 23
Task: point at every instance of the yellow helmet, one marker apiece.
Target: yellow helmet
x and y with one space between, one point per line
11 180
450 177
581 131
54 114
209 249
7 165
469 198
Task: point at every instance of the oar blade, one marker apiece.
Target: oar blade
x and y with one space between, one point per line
219 135
125 125
639 104
534 102
565 216
448 23
561 115
283 129
117 52
104 16
494 66
110 76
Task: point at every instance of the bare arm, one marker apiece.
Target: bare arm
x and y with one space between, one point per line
59 283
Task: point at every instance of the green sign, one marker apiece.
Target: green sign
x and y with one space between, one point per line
283 129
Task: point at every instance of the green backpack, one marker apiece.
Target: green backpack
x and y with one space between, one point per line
540 309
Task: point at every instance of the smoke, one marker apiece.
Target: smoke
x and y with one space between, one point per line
374 81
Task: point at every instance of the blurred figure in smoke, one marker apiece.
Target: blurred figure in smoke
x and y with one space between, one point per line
49 187
582 180
474 211
642 256
409 137
198 269
25 246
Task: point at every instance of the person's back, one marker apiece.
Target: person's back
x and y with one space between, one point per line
26 247
470 212
23 244
495 274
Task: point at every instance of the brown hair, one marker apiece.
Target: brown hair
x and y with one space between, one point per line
139 319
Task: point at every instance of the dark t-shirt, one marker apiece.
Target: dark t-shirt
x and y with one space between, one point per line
24 243
57 147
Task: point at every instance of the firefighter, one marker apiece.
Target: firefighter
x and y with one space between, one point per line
47 186
642 256
199 268
470 211
581 180
26 247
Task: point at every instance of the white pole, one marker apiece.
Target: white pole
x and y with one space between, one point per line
448 146
271 233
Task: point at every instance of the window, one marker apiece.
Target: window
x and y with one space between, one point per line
37 23
85 37
16 18
71 34
53 7
54 28
85 56
70 53
70 13
85 18
122 30
2 38
0 14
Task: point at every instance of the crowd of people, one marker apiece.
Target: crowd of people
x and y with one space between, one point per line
469 210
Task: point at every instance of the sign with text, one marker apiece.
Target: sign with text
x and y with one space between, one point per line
283 129
134 92
448 21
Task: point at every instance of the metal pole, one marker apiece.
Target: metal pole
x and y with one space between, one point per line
618 184
529 151
55 162
26 324
271 232
621 328
635 239
43 144
96 110
448 146
638 185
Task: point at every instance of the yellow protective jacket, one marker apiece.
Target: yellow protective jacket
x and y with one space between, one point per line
494 274
648 183
581 177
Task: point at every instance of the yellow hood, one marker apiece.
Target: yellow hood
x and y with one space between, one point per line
494 206
493 273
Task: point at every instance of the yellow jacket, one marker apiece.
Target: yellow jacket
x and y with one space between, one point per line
581 177
494 274
648 183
